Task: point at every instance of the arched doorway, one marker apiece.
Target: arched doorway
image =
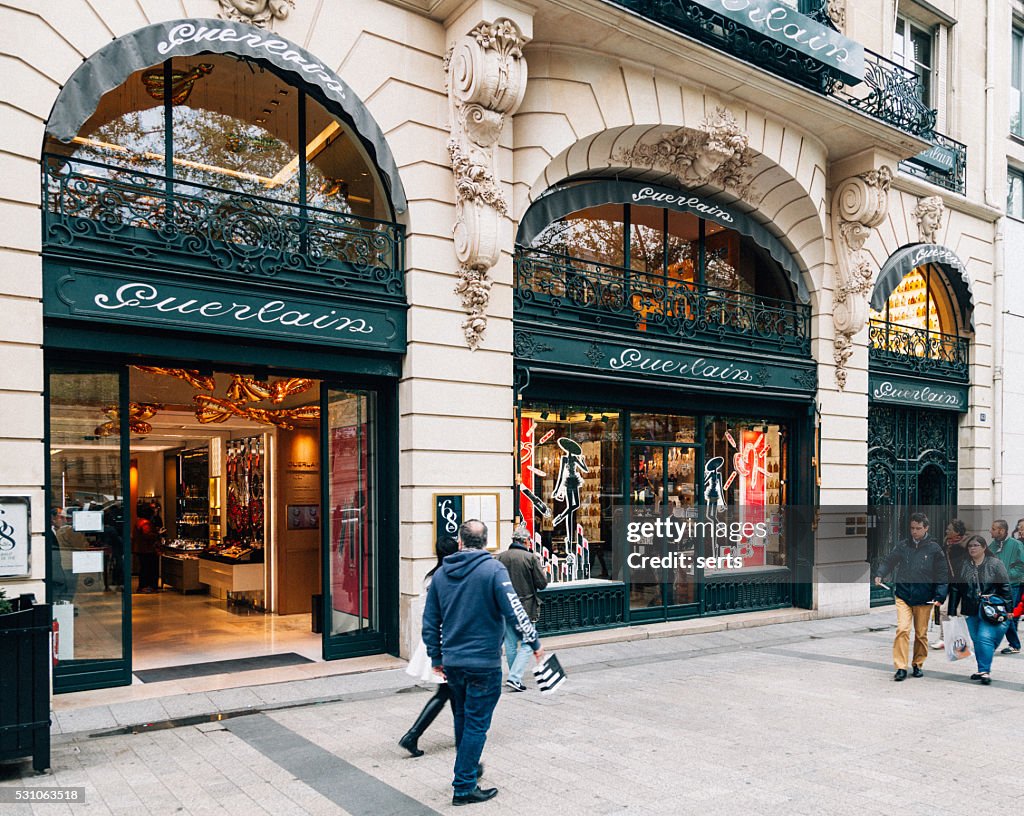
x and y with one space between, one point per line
919 367
225 318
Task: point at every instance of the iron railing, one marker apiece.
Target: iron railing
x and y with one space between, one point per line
889 92
554 286
954 179
115 213
906 349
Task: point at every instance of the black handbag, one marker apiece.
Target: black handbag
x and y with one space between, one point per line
993 610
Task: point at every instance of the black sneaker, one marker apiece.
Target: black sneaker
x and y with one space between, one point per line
514 686
1010 650
474 796
917 672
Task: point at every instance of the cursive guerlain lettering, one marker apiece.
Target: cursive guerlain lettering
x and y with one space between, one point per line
282 50
787 23
700 368
138 295
650 195
923 394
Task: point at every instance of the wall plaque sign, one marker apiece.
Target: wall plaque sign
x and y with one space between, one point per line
451 509
917 394
143 300
15 535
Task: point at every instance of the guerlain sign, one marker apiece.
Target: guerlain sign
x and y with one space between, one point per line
699 368
663 198
786 25
908 392
202 307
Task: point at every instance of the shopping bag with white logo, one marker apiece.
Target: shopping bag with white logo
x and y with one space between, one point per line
549 674
957 638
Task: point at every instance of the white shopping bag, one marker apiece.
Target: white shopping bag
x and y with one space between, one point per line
957 638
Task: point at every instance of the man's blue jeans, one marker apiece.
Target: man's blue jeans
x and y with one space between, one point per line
986 637
1012 637
475 693
517 653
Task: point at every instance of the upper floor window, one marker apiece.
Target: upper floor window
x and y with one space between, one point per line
1017 83
914 49
1015 193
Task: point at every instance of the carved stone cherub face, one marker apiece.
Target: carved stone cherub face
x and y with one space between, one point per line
257 12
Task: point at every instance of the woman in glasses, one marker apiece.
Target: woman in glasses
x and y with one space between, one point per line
983 579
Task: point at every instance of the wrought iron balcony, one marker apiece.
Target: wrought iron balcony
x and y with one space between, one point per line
578 293
888 92
943 164
118 215
906 349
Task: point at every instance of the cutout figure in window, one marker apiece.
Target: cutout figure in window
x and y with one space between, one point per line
567 489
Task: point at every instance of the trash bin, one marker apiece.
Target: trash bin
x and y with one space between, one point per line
317 615
25 682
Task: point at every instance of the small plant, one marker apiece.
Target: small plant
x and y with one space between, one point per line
5 605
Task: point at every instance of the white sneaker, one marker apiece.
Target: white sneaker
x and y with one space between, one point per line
938 644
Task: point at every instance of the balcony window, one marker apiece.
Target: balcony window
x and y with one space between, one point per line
1015 193
913 49
917 329
1017 83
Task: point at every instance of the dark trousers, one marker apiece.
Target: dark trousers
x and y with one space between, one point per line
149 569
1012 637
475 693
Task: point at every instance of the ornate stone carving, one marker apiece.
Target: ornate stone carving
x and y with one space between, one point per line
715 153
837 13
928 213
486 79
860 203
259 13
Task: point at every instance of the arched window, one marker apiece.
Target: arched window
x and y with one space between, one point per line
230 124
919 320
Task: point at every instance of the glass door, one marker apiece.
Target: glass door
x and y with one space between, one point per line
89 558
358 577
663 486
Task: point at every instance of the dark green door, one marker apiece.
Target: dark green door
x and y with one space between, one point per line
912 466
360 531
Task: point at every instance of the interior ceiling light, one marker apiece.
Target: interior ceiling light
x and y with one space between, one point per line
138 413
182 82
316 144
214 409
247 389
193 377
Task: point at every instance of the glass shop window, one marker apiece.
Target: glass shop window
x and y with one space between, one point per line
744 480
570 467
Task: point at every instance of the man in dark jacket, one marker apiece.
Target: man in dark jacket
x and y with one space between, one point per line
468 604
528 578
922 580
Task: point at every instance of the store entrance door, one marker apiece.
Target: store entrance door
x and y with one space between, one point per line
663 483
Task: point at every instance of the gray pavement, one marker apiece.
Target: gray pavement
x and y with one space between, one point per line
795 718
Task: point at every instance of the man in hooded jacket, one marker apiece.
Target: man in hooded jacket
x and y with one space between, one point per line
468 604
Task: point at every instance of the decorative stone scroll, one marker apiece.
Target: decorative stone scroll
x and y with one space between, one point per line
860 203
486 80
260 13
929 213
716 153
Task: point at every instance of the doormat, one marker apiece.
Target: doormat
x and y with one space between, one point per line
242 664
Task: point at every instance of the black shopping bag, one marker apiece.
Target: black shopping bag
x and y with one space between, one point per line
549 674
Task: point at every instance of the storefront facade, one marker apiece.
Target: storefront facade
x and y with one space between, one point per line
471 250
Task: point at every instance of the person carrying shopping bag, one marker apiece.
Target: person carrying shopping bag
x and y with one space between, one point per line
419 664
956 536
984 586
528 578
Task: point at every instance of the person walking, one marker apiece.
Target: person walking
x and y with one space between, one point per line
527 575
1011 552
145 537
983 577
922 580
419 666
956 536
469 601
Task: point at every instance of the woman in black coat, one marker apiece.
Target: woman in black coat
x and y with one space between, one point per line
983 577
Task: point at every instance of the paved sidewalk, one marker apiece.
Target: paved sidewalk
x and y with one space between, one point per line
795 718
